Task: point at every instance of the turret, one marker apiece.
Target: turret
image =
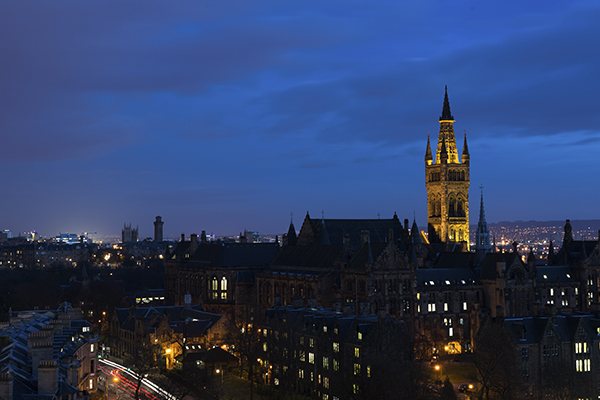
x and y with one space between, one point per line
291 235
465 154
444 154
428 156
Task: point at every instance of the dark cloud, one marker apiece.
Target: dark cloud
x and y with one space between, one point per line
220 109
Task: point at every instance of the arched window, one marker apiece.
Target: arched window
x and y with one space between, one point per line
214 287
460 235
223 288
460 209
452 208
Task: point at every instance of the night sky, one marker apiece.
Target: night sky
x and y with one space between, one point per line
230 115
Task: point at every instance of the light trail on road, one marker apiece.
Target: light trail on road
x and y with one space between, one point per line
121 369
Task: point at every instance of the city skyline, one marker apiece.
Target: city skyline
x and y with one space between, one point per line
232 115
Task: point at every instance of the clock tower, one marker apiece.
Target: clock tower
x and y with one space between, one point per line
447 182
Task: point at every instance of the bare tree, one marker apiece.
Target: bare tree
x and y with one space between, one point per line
495 360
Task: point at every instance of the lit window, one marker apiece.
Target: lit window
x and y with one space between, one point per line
324 328
336 347
311 358
92 348
359 335
368 371
311 342
326 382
325 362
356 352
301 373
276 381
336 365
464 306
431 307
265 347
356 369
355 388
551 292
445 306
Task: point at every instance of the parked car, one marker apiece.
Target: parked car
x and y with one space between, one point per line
465 387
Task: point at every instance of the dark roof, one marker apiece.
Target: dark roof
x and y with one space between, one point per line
446 277
488 265
454 260
378 230
531 330
307 256
230 254
554 274
361 258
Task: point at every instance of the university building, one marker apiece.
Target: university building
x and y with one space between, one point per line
440 288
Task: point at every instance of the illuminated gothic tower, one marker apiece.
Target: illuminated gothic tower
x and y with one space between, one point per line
447 182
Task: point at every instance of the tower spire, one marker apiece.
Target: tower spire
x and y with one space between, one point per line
446 114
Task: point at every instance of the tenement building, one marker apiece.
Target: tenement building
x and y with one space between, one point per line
48 355
331 356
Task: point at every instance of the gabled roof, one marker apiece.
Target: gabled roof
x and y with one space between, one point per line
307 256
337 228
361 258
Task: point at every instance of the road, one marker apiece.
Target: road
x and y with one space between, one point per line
123 382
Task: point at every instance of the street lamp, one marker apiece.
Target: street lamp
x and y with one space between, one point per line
220 387
438 368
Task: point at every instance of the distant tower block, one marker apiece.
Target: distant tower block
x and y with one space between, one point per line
447 181
158 229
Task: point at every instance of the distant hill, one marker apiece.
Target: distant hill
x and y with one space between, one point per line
577 224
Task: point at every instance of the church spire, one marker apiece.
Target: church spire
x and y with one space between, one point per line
446 114
482 236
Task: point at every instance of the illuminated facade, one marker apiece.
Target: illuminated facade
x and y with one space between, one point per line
447 182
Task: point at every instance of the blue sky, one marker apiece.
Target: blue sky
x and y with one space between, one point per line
230 115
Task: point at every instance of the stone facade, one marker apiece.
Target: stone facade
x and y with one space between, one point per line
447 181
